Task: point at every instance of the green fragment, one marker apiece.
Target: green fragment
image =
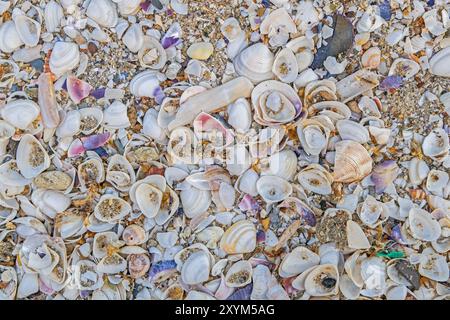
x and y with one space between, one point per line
390 254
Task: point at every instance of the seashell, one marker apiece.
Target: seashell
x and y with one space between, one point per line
404 68
380 135
133 38
50 202
373 273
134 235
371 210
32 159
313 136
350 130
255 63
128 7
70 125
115 116
101 242
9 37
434 267
275 103
246 183
112 264
20 113
369 21
28 29
152 54
111 209
91 170
86 276
10 175
53 15
196 268
348 288
211 100
90 119
371 58
356 239
436 145
437 181
384 174
200 50
181 145
369 107
356 84
120 173
8 277
322 281
104 12
315 178
65 57
68 224
283 164
6 132
145 84
273 188
352 162
77 89
239 274
278 25
285 66
195 201
297 261
28 285
240 115
239 238
423 226
438 63
47 101
418 170
138 265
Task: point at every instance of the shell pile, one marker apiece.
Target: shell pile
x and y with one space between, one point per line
253 150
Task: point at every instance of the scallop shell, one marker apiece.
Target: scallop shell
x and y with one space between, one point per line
152 54
423 226
65 57
239 238
322 281
239 274
352 162
9 37
111 209
273 188
32 159
20 113
104 12
297 261
255 63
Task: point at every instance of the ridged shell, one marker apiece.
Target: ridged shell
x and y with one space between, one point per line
239 238
65 57
255 63
352 162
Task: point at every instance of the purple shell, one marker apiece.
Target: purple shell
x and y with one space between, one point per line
391 83
161 266
98 93
172 37
397 234
308 216
95 141
242 294
159 95
384 174
248 203
260 236
385 10
76 149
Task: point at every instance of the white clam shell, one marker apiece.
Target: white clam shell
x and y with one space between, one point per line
91 170
273 188
196 268
315 178
350 130
104 12
356 238
31 157
128 7
418 171
152 54
70 125
297 261
423 226
50 202
133 37
285 66
144 84
20 113
112 264
239 238
28 29
434 267
86 275
439 63
53 15
90 119
111 208
314 282
255 63
151 127
283 164
313 136
246 182
65 57
437 181
120 173
195 201
239 275
436 145
240 115
115 116
9 37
